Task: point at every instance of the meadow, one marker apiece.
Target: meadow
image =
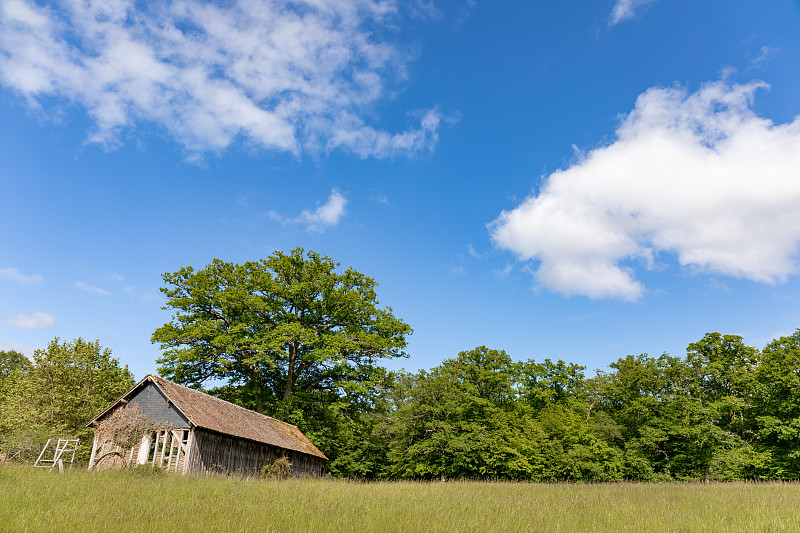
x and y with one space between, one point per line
40 500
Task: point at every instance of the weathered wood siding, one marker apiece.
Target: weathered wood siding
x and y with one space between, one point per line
179 446
158 408
211 452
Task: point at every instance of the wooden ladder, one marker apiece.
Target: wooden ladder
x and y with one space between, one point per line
62 447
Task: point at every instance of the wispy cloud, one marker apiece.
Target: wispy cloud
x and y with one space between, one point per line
350 133
145 296
92 288
457 269
36 320
505 272
626 10
698 177
323 217
127 289
475 254
15 275
286 76
764 54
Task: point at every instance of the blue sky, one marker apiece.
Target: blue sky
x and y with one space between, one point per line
573 180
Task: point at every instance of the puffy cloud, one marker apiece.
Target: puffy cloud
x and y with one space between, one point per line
626 9
15 275
324 216
696 176
286 76
37 320
92 288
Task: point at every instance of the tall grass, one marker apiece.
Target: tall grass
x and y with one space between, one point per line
38 500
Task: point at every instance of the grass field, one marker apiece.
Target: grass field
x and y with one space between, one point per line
38 500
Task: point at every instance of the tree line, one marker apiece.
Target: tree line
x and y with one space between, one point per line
294 337
723 411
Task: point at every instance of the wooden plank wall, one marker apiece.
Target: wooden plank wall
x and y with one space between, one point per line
218 453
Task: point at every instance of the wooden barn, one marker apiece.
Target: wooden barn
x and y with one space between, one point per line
190 431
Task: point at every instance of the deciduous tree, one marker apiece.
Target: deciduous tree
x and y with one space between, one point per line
11 360
65 386
286 325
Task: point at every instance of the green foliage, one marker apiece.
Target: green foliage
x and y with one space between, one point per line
483 415
776 406
67 384
10 361
724 411
456 422
293 338
299 341
353 440
547 383
284 325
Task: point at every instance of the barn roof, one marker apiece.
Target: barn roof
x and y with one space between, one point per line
208 412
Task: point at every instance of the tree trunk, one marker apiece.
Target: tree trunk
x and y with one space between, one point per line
290 372
259 397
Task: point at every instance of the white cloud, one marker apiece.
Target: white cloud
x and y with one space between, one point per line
699 177
37 320
92 288
15 275
626 9
286 76
324 216
349 132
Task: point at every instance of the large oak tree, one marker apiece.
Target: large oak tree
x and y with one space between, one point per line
287 324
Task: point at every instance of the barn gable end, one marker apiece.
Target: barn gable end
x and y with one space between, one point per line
156 406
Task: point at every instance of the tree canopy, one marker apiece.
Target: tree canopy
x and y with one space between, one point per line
65 386
11 360
285 325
